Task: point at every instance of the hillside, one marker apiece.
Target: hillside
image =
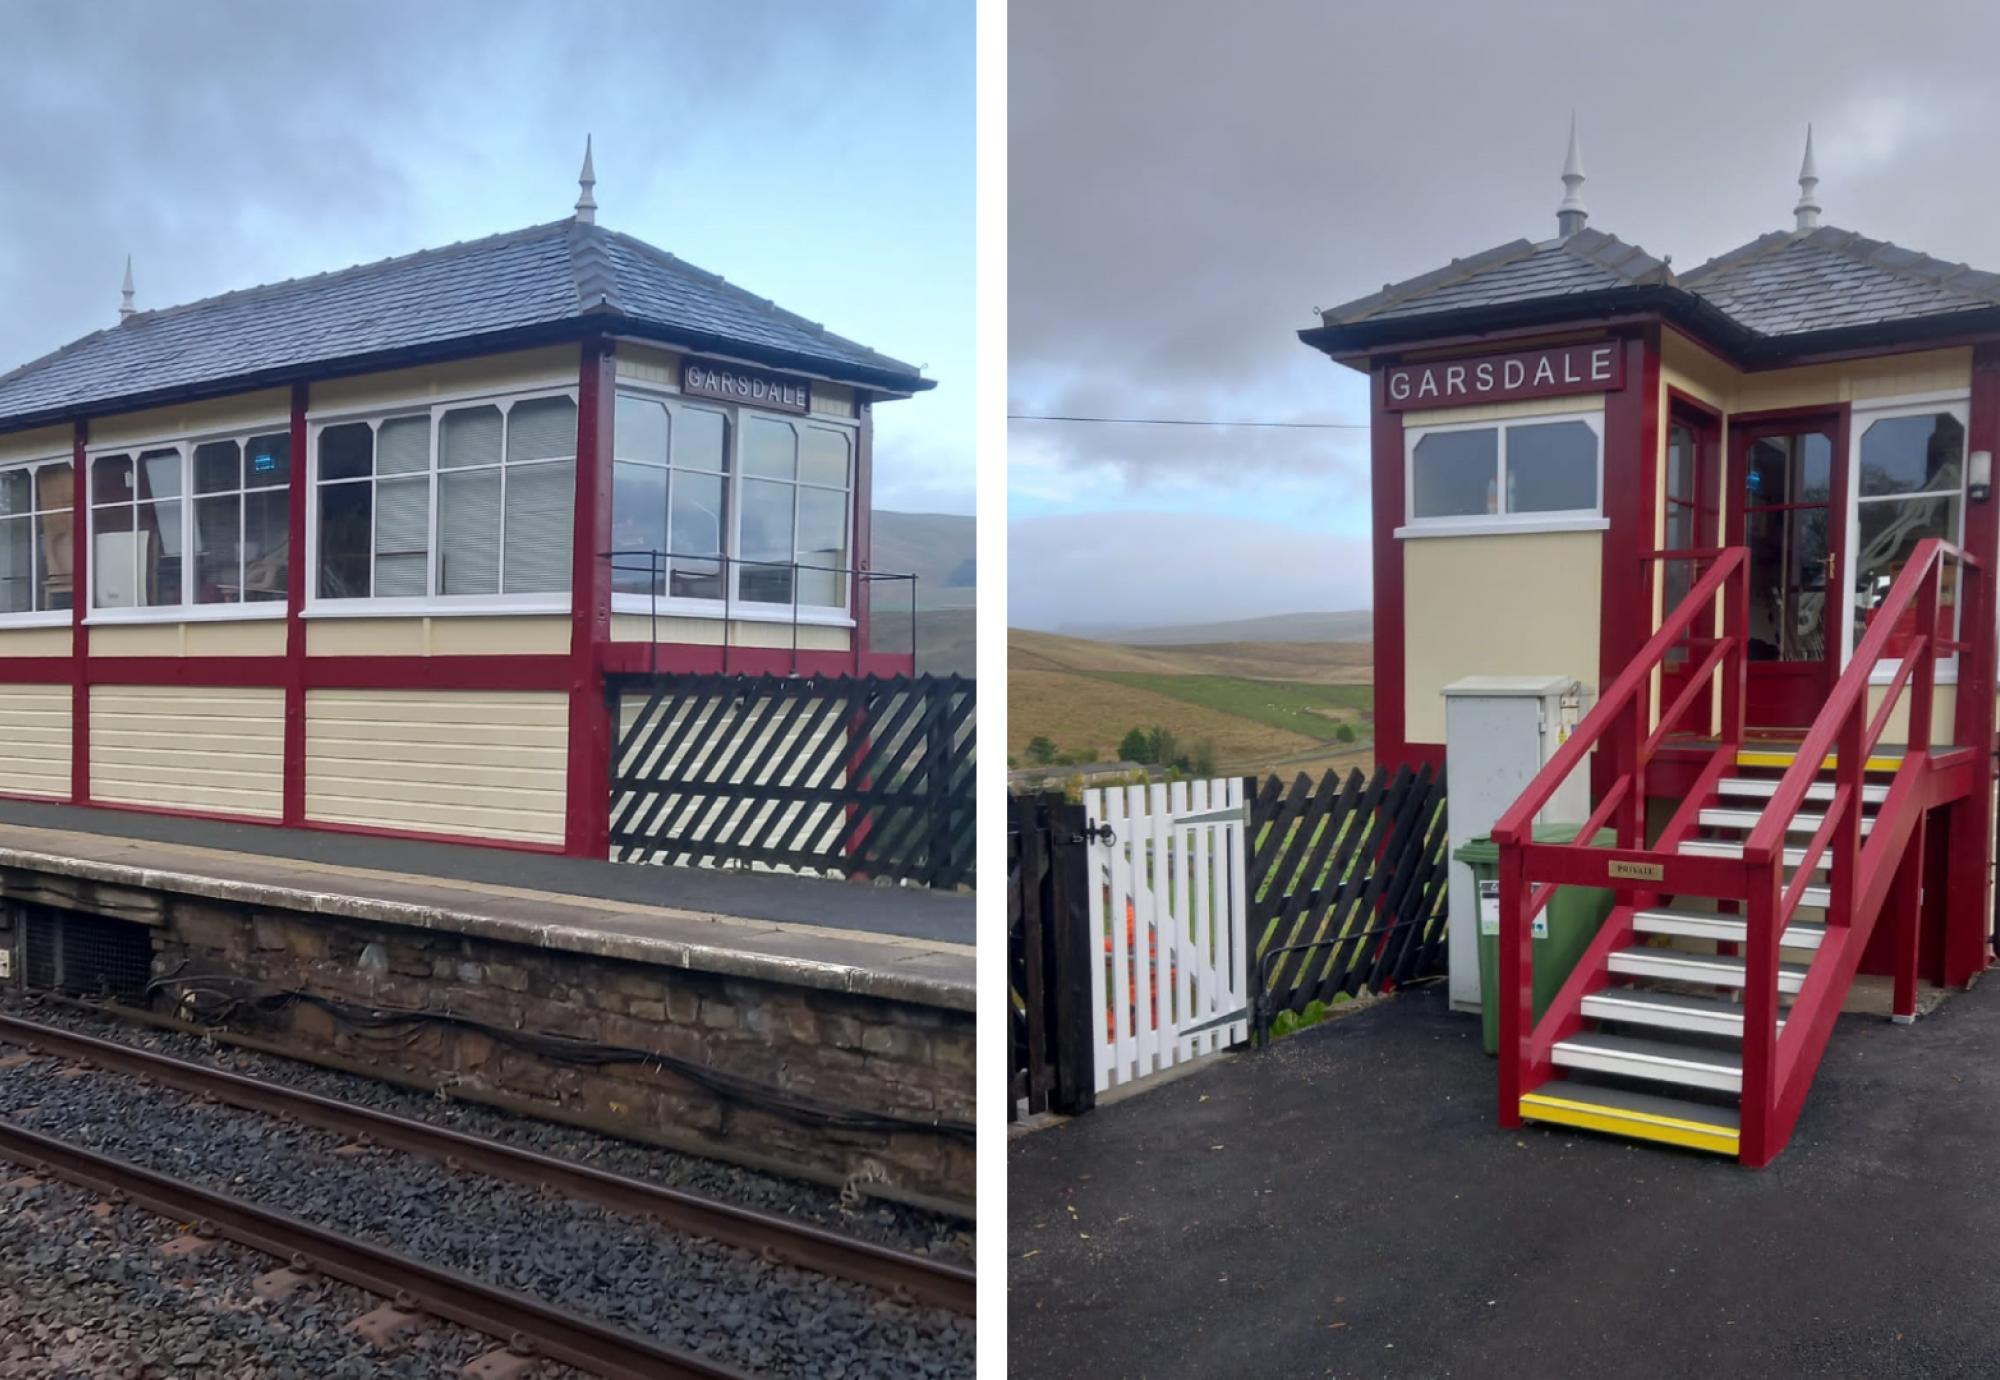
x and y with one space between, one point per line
1353 626
939 549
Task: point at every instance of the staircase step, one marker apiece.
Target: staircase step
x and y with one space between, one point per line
1820 791
1726 818
1640 1116
1780 758
1703 924
1722 848
1692 1066
1668 1011
1714 969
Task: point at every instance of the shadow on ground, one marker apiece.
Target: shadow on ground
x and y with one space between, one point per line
1344 1204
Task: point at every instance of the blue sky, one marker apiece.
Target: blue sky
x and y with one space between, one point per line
818 155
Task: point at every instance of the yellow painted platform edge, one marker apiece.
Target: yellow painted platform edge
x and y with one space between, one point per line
1753 758
1589 1116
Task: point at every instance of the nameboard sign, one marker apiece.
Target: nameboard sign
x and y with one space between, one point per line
1598 367
752 387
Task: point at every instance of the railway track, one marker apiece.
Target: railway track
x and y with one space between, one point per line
523 1322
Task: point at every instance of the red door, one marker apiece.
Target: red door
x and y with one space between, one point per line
1789 473
1692 522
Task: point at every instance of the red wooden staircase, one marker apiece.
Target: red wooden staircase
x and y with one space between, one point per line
1698 1015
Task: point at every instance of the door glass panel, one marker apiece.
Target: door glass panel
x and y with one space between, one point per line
1888 533
1678 576
1788 544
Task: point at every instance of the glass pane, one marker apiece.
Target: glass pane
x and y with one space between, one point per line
160 474
218 548
541 429
823 542
469 533
701 440
1889 532
640 430
1455 474
638 525
55 561
218 467
469 436
266 545
1680 463
770 449
1906 455
111 480
160 552
17 492
268 461
1551 468
540 527
403 446
1789 469
767 536
344 539
17 564
697 525
402 537
824 459
1787 584
53 489
347 451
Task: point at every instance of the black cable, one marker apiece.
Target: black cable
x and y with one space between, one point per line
1184 421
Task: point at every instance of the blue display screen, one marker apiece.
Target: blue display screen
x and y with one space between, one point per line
263 463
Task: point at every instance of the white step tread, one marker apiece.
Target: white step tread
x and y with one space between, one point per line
1713 969
1724 818
1704 924
1693 1066
1722 848
1668 1010
1820 791
1644 1116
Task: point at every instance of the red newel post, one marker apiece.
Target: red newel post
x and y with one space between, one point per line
1757 1145
1516 985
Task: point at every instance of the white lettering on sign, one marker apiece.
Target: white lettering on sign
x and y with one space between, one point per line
778 391
1591 368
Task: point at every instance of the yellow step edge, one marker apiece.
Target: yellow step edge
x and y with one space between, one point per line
1619 1121
1749 757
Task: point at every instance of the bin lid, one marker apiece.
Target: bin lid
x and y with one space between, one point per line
1483 849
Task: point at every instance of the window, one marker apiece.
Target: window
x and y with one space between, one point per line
242 517
687 477
459 501
137 537
1909 486
1515 473
37 552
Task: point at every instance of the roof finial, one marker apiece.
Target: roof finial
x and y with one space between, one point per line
1571 213
586 204
1808 208
125 307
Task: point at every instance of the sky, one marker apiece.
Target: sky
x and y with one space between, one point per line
818 155
1189 181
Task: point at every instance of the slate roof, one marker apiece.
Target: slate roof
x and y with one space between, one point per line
1519 271
556 281
1788 282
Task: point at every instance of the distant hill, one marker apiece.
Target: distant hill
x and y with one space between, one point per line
1357 625
939 548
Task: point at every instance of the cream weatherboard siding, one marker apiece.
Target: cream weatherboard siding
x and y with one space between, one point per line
34 740
482 764
188 748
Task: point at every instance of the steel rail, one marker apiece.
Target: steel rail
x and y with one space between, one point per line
774 1237
511 1317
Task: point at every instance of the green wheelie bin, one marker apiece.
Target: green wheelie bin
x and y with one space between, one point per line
1562 931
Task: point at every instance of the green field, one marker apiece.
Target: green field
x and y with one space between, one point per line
1298 706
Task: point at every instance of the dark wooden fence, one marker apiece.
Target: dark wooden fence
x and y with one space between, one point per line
1347 887
1050 1045
855 777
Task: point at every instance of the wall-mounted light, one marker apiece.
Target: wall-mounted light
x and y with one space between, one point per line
1979 479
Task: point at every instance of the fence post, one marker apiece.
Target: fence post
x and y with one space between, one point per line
1073 949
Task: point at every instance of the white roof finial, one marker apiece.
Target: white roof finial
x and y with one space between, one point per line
125 307
1808 208
586 204
1571 213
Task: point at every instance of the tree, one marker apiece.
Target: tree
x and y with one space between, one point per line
1041 751
1201 760
1135 747
1345 733
1163 747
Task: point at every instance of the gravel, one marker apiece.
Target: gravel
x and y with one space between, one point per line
871 1219
694 1294
84 1292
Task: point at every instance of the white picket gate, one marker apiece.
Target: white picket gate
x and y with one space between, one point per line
1167 899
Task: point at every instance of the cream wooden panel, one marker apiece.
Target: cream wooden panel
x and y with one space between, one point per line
1688 367
557 365
1944 705
832 400
189 747
498 636
1509 605
137 639
34 642
366 637
34 740
266 407
660 368
43 443
1694 370
483 764
261 637
1505 412
707 632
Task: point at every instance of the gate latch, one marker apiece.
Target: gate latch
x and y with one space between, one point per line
1095 833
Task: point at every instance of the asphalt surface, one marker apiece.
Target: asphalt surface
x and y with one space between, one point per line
910 912
1345 1204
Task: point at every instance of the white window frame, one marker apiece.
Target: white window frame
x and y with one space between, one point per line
425 605
1589 519
1861 416
731 605
43 618
186 611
